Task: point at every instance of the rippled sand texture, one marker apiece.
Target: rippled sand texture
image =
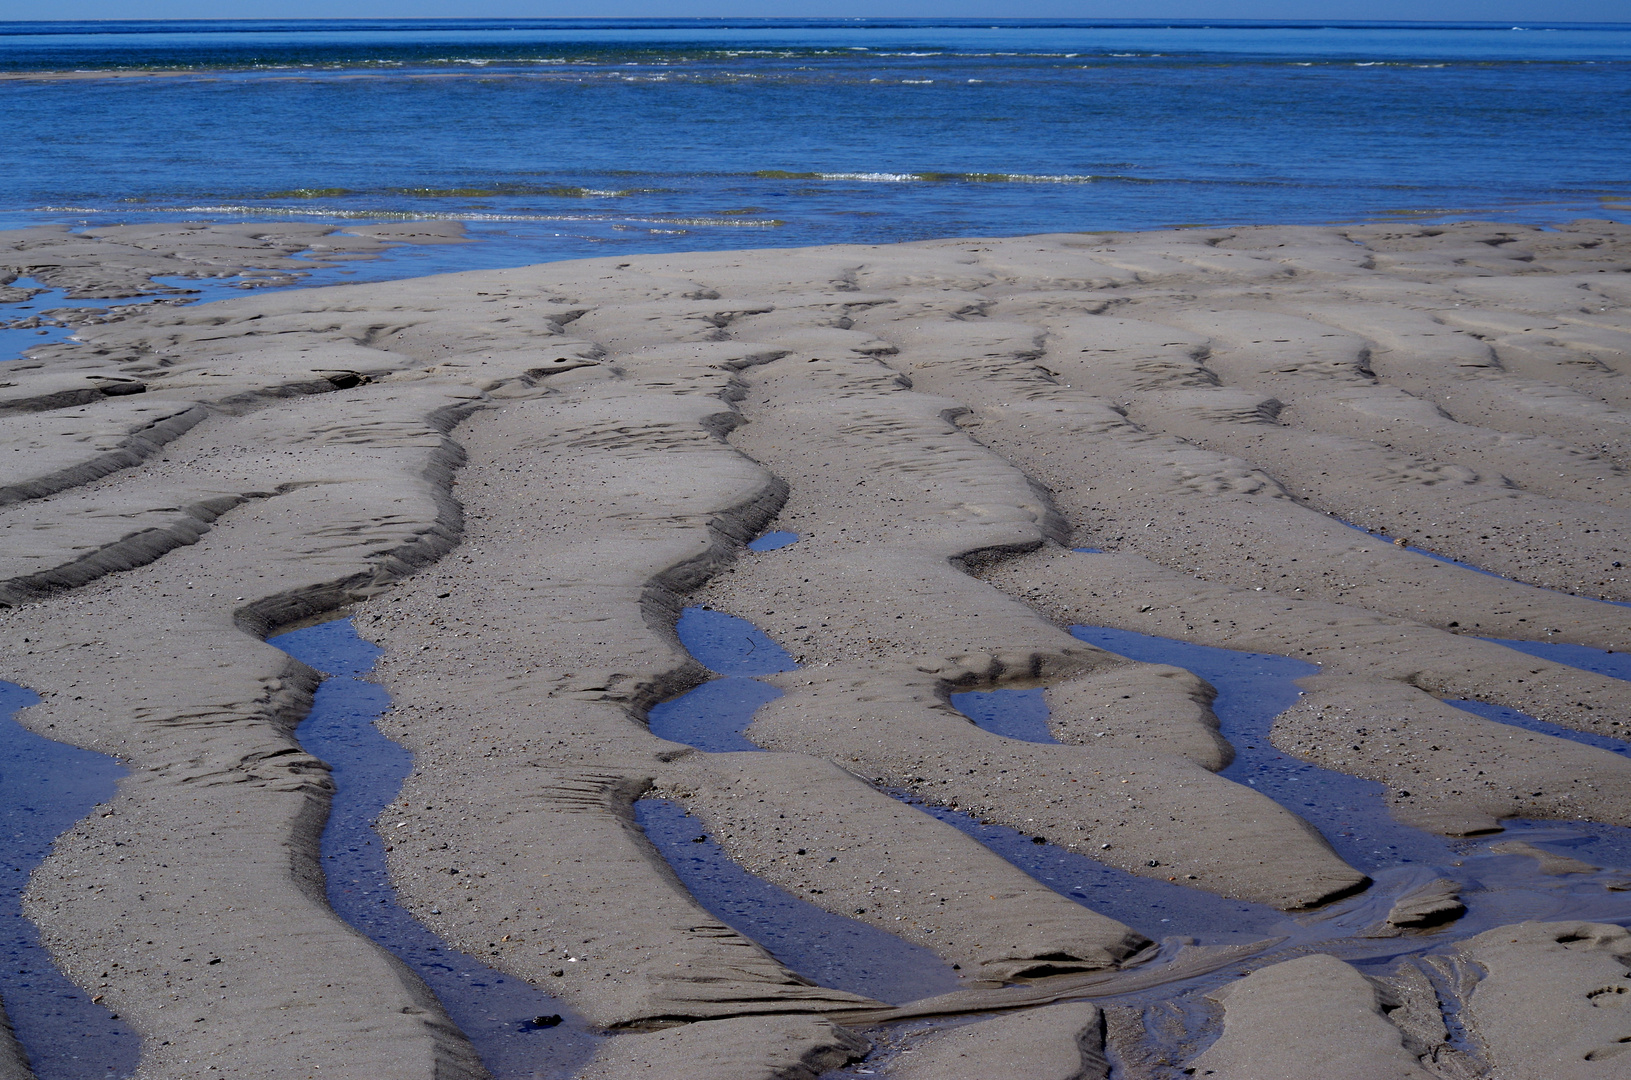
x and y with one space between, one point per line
519 477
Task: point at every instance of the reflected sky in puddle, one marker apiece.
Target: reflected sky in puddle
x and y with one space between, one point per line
1013 714
713 716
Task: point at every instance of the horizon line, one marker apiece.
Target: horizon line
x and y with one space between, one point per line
984 20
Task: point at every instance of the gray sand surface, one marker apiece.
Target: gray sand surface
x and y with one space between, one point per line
1055 1042
515 480
1310 1019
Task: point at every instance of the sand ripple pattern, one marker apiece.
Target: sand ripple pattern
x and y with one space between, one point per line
516 479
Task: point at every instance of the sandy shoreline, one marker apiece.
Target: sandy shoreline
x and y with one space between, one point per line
515 480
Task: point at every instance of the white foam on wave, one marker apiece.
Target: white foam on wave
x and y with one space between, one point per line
872 177
427 215
973 178
1063 178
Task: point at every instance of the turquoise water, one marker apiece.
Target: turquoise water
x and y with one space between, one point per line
563 139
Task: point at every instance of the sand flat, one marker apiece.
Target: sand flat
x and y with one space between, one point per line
514 480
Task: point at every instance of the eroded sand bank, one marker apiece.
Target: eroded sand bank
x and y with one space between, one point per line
514 480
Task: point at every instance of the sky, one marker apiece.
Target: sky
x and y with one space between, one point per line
1427 10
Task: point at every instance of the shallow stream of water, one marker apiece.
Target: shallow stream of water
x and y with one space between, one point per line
494 1010
1254 688
829 949
825 948
45 787
1436 557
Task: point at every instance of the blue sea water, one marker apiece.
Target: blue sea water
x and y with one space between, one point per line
572 138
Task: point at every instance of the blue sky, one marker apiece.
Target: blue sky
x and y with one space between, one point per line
1448 10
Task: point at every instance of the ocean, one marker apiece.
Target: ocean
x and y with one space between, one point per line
572 138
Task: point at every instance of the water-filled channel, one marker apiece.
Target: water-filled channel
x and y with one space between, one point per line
828 949
15 340
825 948
494 1010
45 787
1436 557
1252 688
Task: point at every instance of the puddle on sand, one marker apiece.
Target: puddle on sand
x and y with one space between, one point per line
730 645
1013 714
15 339
774 541
713 716
827 949
45 788
494 1010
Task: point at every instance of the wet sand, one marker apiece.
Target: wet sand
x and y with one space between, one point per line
514 481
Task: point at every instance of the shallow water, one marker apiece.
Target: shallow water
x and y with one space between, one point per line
1013 714
1503 714
398 261
825 948
708 134
1496 889
774 541
45 787
1252 689
713 716
1351 813
828 949
494 1010
1157 909
1436 557
1616 665
13 340
730 645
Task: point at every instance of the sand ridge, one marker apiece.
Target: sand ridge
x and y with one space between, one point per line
516 479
